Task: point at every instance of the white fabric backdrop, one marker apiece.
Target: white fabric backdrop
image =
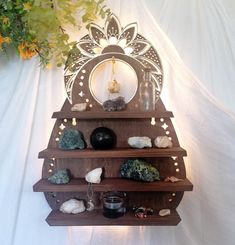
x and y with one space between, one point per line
199 89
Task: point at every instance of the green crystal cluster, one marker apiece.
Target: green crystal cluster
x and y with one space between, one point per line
60 177
72 139
139 170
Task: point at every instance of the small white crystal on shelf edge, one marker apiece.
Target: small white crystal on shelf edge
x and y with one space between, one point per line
164 212
79 107
163 142
172 179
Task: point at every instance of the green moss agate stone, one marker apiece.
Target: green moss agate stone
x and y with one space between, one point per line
139 170
72 139
60 177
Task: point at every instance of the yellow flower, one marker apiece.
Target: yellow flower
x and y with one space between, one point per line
4 40
7 39
49 66
25 51
27 6
5 20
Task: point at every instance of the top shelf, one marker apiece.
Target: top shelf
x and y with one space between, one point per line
111 115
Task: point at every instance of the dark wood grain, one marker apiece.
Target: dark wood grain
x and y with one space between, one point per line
157 195
113 184
56 218
114 153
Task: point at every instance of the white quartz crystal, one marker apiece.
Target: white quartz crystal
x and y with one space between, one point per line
164 212
73 206
163 142
139 142
79 107
94 176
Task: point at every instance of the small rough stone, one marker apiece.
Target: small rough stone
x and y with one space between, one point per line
139 170
172 179
94 176
163 142
73 206
60 177
117 104
140 142
164 212
79 107
72 139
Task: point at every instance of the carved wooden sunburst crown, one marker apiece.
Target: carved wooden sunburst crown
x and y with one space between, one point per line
102 43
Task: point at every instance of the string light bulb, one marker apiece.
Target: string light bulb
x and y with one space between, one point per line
153 121
74 122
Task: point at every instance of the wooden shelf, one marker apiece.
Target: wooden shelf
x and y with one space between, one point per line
113 184
111 115
114 153
93 218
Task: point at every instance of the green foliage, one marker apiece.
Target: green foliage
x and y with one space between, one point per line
35 26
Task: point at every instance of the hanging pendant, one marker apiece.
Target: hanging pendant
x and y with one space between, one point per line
114 85
90 194
90 205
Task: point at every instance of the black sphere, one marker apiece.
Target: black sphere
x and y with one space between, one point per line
103 138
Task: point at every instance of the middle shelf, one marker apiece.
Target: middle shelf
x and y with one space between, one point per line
112 184
114 153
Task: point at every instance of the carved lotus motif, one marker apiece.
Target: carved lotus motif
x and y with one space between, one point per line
114 34
102 40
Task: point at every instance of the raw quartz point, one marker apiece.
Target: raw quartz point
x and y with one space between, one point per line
94 176
72 139
60 177
117 104
73 206
140 142
139 170
164 212
163 142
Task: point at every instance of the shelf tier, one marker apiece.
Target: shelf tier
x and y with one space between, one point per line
111 115
113 184
93 218
114 153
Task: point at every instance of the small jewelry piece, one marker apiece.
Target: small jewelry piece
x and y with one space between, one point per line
90 194
90 205
142 212
114 85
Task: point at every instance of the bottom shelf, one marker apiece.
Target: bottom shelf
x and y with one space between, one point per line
96 218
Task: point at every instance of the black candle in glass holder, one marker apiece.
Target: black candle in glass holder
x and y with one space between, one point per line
114 204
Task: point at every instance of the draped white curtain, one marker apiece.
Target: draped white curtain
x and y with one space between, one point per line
196 42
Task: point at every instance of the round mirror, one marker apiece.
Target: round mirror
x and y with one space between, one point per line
112 78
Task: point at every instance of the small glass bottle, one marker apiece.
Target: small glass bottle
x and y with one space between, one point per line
147 92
